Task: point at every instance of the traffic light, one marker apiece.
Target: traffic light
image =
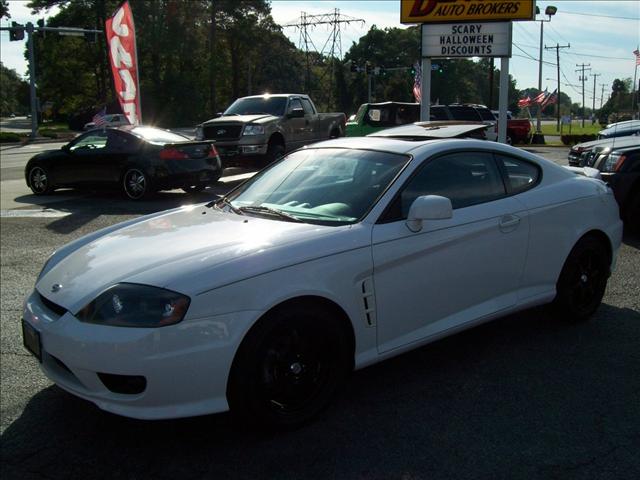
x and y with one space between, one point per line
17 32
90 36
412 70
368 68
41 24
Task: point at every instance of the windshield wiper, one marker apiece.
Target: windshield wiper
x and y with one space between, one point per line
270 211
225 202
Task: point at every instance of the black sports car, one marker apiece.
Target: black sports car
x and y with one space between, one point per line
140 160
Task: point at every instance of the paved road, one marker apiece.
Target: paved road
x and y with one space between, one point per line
526 396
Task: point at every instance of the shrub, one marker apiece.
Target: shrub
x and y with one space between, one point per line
574 139
9 137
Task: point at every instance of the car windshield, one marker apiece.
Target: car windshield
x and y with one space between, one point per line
256 105
156 135
326 186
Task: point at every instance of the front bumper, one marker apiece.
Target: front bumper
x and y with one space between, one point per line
185 366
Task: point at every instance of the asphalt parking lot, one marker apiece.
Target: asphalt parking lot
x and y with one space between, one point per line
526 396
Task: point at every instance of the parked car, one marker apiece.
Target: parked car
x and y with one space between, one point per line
622 129
435 130
373 117
620 168
584 154
263 127
139 160
110 120
518 129
338 256
467 112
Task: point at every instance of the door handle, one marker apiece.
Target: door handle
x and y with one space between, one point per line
509 223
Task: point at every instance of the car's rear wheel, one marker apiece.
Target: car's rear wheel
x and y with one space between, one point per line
39 180
135 184
583 280
287 368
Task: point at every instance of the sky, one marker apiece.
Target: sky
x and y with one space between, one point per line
602 34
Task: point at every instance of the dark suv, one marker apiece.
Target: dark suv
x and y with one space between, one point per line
467 112
620 168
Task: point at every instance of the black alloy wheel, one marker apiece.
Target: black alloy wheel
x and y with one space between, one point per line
39 182
135 184
583 280
288 368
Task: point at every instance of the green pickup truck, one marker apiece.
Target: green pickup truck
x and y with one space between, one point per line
372 117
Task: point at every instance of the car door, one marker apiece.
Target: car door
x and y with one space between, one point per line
455 270
81 155
314 130
297 127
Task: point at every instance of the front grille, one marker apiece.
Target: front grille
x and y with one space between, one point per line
222 132
123 384
54 307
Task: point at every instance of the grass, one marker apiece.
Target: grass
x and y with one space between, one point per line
576 129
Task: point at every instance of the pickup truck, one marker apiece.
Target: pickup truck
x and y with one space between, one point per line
263 127
518 129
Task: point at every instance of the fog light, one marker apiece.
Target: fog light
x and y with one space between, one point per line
250 149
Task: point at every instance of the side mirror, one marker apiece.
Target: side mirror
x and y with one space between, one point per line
66 148
428 207
217 115
296 113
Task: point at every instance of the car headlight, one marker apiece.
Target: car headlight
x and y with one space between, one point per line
253 130
199 133
134 305
614 162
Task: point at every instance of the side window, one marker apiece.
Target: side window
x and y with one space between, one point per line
92 141
380 117
465 113
294 103
520 174
308 108
120 143
438 113
465 178
407 114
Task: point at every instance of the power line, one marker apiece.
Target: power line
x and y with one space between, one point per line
600 15
531 57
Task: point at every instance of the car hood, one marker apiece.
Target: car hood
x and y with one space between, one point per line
170 250
262 118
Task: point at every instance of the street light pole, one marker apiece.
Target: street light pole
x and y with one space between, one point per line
549 12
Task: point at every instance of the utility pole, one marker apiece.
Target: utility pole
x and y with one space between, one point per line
594 75
332 47
557 48
582 79
602 93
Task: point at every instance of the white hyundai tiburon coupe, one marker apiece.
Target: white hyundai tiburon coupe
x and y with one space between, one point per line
336 257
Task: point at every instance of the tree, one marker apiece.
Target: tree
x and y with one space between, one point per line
14 92
4 9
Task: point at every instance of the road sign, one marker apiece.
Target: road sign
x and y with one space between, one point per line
490 39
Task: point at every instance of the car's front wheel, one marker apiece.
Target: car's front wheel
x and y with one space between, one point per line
135 184
583 280
39 180
288 367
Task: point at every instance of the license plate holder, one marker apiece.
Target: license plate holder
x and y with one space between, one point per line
31 340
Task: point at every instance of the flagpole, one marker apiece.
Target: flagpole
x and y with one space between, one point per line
634 92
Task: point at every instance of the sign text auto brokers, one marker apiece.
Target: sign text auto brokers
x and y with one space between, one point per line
439 11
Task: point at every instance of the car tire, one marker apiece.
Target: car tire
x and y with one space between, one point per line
275 150
583 280
135 183
39 181
287 368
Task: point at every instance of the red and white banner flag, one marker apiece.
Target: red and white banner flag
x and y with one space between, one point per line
121 36
551 99
538 99
524 102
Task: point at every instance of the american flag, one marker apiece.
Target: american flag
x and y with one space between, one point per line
551 99
98 119
540 97
417 83
525 102
637 54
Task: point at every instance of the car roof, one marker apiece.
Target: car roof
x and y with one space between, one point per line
381 104
602 142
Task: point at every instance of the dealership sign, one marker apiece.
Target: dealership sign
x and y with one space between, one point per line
491 39
451 11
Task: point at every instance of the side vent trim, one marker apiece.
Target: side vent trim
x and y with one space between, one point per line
369 302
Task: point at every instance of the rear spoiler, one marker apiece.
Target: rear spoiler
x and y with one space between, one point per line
586 171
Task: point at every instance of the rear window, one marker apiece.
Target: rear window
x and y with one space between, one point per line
156 135
438 113
521 175
465 113
486 114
